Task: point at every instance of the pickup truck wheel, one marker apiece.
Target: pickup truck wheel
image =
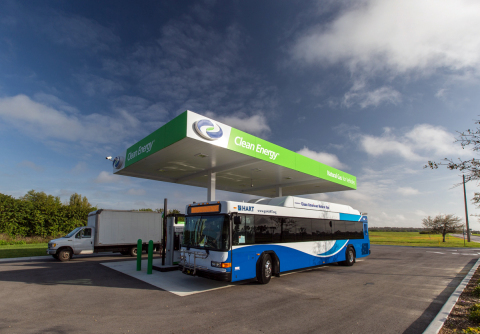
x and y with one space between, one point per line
64 255
133 251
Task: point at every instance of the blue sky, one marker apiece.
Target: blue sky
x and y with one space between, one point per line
376 88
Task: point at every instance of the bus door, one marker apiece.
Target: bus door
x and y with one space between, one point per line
244 258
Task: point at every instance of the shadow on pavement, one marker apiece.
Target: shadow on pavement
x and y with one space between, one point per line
80 271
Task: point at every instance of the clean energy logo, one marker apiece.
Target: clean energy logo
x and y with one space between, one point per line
117 162
208 129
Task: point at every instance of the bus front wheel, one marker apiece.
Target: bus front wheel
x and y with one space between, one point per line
264 269
350 257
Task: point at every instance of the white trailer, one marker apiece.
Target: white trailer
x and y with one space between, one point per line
110 231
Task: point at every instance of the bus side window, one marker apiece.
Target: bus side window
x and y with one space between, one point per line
339 230
321 229
239 232
304 229
359 230
289 229
249 229
350 230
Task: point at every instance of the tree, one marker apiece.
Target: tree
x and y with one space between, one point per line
40 198
76 200
171 211
442 224
471 167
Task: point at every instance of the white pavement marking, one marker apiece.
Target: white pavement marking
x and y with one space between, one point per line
435 252
442 316
172 281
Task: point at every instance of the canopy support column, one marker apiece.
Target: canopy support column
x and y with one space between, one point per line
212 180
279 191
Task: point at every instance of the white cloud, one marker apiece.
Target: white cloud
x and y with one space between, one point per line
373 98
31 165
255 124
136 192
407 191
106 177
398 36
323 157
423 142
79 168
47 123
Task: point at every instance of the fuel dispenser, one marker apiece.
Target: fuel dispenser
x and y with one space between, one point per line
175 226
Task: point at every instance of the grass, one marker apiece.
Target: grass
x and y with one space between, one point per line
417 239
11 251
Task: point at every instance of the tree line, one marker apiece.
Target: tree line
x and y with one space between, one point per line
39 214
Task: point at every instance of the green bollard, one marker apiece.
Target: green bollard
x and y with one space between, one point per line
139 255
150 257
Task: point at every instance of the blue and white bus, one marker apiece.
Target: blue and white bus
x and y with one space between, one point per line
233 241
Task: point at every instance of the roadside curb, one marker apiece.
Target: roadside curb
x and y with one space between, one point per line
442 316
46 257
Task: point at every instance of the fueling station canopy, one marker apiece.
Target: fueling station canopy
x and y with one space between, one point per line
195 150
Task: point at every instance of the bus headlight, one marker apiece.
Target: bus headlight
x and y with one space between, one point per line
221 264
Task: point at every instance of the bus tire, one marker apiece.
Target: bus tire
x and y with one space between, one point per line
349 257
264 269
64 255
133 251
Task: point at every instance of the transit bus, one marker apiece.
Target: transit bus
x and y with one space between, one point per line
233 241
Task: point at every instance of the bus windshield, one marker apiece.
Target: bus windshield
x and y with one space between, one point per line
207 232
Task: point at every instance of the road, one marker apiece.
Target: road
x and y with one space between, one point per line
395 290
472 237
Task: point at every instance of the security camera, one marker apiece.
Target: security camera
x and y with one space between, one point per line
108 158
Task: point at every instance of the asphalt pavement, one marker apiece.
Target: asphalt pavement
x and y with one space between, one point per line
394 290
473 238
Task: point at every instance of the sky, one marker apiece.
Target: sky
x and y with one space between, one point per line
376 88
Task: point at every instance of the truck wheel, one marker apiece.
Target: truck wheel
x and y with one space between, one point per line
64 255
264 269
133 251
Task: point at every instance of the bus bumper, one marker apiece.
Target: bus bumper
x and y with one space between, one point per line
215 275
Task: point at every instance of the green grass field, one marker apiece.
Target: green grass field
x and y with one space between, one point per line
11 251
417 239
376 238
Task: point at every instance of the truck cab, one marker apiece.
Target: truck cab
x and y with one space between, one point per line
78 241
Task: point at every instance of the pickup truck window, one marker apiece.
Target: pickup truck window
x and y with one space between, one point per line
87 233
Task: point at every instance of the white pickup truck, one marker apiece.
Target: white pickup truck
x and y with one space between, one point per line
110 231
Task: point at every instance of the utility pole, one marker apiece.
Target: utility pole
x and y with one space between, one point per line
466 212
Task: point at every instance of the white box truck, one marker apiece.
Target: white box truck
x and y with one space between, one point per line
110 231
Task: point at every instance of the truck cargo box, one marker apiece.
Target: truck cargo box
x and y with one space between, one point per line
117 227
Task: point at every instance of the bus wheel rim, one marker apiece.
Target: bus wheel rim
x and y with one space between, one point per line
268 269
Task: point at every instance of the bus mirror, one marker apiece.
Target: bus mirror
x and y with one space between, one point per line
237 220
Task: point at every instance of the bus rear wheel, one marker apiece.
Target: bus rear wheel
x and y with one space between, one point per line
349 257
264 270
